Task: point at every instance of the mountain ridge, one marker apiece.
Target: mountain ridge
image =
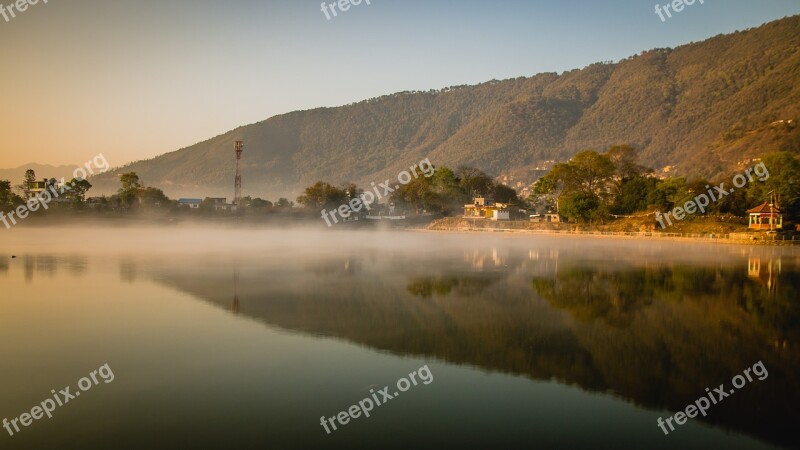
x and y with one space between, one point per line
693 108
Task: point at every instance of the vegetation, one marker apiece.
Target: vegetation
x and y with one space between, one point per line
8 199
30 177
445 192
594 187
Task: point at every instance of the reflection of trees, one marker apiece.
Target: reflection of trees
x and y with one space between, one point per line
127 270
45 264
660 335
427 287
617 295
654 335
77 265
614 297
442 285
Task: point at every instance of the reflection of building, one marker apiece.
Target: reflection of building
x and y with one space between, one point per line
484 208
766 216
765 273
481 259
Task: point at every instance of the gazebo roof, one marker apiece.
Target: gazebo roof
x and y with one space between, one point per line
764 208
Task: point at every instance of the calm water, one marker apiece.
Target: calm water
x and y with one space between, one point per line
244 339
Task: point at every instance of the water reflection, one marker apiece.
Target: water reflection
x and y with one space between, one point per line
653 333
44 265
235 308
653 329
766 274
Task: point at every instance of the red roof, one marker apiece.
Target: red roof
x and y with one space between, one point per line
764 208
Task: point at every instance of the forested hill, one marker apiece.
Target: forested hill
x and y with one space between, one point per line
701 108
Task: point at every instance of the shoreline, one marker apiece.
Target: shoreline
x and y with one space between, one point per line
632 235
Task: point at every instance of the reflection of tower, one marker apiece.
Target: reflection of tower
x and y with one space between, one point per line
238 183
235 307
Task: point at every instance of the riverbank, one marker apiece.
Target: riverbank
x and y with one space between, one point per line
728 234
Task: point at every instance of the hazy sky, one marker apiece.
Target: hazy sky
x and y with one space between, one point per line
135 79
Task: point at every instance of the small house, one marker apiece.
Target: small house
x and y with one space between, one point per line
546 218
191 203
485 208
766 216
501 214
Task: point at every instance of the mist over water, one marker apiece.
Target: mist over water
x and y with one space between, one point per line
240 336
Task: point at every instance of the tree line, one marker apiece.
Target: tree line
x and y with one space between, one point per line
445 192
131 195
595 187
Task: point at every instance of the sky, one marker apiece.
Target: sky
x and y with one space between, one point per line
136 79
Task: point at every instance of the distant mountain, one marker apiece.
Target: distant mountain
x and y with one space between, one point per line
16 175
701 108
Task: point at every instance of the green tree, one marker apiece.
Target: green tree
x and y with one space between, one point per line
667 193
284 203
505 194
552 186
633 194
582 207
623 157
131 186
77 189
474 181
415 194
27 182
783 169
260 203
8 199
322 195
153 197
590 172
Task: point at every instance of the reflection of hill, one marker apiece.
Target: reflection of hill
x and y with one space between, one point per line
660 336
656 336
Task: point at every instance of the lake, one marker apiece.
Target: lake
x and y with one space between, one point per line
246 338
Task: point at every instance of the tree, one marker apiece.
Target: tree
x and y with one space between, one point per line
131 186
624 159
77 189
8 199
474 181
260 203
781 174
284 203
27 182
553 185
579 186
582 207
590 172
152 197
505 194
322 195
632 183
667 193
414 194
633 194
207 206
